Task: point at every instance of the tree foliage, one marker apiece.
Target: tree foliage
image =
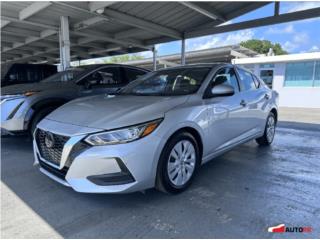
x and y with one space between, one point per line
123 58
263 46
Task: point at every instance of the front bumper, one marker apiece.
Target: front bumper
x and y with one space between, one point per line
13 116
118 168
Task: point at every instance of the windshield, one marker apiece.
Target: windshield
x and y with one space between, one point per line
65 76
171 82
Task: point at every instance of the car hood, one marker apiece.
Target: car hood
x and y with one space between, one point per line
109 112
36 87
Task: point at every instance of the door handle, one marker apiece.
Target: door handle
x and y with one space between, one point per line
266 96
243 103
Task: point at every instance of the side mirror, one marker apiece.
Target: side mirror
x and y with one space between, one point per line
222 90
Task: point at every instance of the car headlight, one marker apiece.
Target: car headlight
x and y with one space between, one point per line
123 135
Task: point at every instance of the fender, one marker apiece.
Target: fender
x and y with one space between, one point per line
41 104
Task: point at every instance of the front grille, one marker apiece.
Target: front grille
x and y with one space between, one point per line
51 153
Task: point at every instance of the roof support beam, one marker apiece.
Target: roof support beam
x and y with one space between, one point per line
142 24
28 40
94 6
204 9
21 33
12 19
89 22
26 12
154 58
129 33
126 19
276 8
282 18
93 36
64 40
183 52
33 9
4 23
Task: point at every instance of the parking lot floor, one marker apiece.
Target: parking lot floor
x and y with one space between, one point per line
237 195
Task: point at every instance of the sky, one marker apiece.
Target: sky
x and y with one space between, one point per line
294 37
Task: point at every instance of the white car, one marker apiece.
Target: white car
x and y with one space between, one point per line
156 131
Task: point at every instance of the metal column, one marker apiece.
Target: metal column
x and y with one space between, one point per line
64 39
154 51
183 51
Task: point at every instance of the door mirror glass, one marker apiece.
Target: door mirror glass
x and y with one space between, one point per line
222 90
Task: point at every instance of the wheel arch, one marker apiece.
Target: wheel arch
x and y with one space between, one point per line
275 112
194 132
36 107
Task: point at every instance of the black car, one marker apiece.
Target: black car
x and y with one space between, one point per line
24 105
17 73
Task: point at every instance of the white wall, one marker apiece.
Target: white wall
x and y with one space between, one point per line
304 97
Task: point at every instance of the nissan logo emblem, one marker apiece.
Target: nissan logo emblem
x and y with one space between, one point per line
49 140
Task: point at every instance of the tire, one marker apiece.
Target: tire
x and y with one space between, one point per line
266 139
39 115
185 167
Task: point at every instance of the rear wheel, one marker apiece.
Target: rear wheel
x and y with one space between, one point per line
269 131
39 115
178 163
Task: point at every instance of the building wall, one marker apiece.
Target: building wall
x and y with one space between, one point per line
304 97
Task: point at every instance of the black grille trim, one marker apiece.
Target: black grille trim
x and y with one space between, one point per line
56 172
75 151
53 154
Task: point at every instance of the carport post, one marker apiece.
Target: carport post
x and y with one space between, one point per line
154 51
64 40
183 51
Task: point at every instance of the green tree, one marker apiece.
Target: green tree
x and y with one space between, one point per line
263 46
123 58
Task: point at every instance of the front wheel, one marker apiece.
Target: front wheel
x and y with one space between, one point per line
178 163
269 131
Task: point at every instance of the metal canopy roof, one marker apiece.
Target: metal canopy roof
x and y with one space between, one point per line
30 30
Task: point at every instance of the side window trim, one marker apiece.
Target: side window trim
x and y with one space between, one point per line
256 81
239 79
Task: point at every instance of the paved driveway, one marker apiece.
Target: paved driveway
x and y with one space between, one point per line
239 194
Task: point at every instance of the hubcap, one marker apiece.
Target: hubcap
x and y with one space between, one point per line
270 129
181 163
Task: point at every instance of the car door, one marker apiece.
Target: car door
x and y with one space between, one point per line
226 114
103 80
253 98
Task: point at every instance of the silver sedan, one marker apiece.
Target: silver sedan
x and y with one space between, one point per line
156 131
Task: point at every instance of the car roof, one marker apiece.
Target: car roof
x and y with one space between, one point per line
95 66
211 65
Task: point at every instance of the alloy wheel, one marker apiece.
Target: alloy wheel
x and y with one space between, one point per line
270 129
